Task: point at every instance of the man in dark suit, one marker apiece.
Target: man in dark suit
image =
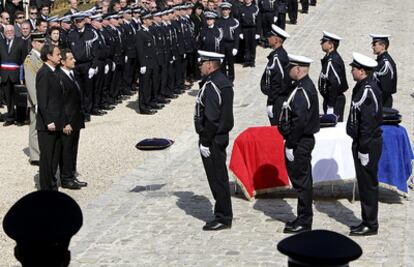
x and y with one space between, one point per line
12 55
50 116
74 121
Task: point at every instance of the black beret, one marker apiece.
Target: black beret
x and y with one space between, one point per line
43 216
319 248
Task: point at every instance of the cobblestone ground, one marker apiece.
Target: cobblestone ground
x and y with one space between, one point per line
153 216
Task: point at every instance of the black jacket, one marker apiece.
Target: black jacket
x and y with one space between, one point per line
365 116
12 61
332 80
129 33
301 117
211 39
275 80
81 44
72 102
386 74
213 118
50 105
146 50
230 28
249 17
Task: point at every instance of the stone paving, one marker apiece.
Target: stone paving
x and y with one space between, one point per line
153 216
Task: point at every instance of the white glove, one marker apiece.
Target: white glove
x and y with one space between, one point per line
184 56
364 158
142 70
330 110
126 59
173 58
113 66
241 36
96 70
91 72
289 154
270 111
234 51
275 19
205 151
256 36
106 69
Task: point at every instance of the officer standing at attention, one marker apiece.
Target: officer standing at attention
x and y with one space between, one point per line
332 80
386 71
213 121
363 126
298 123
250 23
230 28
32 64
274 82
211 36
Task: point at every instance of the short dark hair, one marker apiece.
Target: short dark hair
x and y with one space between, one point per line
47 50
386 43
39 21
17 13
54 28
32 7
64 53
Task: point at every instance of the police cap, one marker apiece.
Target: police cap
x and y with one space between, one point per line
327 36
276 31
319 248
209 56
43 216
361 61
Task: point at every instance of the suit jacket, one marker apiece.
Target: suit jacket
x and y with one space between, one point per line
16 57
32 64
49 92
72 102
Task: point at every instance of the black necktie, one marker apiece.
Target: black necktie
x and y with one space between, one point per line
71 76
8 46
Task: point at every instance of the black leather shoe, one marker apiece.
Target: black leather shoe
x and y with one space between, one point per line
147 111
215 226
107 107
70 184
98 113
82 184
352 227
8 123
156 106
34 162
172 96
163 101
19 123
295 228
87 118
363 230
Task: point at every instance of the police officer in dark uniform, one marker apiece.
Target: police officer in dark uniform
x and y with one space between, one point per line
386 71
118 58
129 33
363 126
268 11
213 121
305 6
230 28
147 61
180 52
274 82
211 36
299 121
250 31
332 80
80 41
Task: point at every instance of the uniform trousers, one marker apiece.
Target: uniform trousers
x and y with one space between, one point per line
8 88
98 84
249 45
164 79
171 77
267 21
178 71
281 20
106 97
228 64
69 154
305 5
338 108
218 180
50 144
129 74
367 177
300 174
34 153
293 11
86 85
387 101
116 81
145 88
